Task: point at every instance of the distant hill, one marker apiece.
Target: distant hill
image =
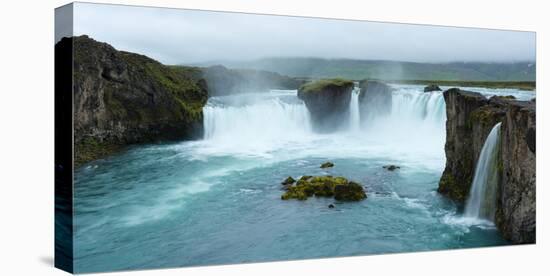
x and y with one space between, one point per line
388 70
223 81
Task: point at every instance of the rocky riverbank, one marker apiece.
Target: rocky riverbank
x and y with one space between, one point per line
470 118
122 98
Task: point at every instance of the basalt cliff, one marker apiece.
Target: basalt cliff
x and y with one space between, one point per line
122 98
328 102
470 118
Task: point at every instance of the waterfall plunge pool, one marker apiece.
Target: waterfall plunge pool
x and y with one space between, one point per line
217 200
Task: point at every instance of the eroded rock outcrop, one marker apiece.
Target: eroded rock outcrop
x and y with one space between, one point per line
122 98
463 145
516 207
328 103
470 118
375 99
432 87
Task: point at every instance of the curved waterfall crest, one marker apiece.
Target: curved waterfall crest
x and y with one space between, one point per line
281 115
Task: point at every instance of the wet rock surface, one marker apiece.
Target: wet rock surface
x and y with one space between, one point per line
391 167
328 103
325 186
470 118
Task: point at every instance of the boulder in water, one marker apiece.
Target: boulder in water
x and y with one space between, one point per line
391 167
351 192
331 206
288 180
325 186
327 165
431 87
328 102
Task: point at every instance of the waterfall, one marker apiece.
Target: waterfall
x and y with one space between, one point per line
354 110
256 122
419 107
261 123
482 199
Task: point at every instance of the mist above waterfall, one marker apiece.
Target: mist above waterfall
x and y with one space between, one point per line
231 180
214 110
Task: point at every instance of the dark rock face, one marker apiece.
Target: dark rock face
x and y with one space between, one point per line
327 165
391 167
222 81
288 180
516 207
122 98
431 87
350 192
461 149
470 118
328 103
375 99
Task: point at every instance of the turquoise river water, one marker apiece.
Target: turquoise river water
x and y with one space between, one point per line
217 200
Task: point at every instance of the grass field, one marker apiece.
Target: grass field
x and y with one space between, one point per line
522 85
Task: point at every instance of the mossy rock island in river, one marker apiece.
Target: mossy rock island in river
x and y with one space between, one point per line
325 186
328 102
432 87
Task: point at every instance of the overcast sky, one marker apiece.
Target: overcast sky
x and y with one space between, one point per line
175 36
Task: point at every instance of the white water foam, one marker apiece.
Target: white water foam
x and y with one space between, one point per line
354 111
276 125
482 199
259 126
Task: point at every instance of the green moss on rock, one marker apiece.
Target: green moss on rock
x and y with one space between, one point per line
90 149
328 103
325 186
451 188
289 180
353 191
324 84
123 98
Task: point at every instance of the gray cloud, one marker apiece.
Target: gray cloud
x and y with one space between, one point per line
185 36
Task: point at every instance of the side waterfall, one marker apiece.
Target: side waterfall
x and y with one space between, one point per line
482 199
354 110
